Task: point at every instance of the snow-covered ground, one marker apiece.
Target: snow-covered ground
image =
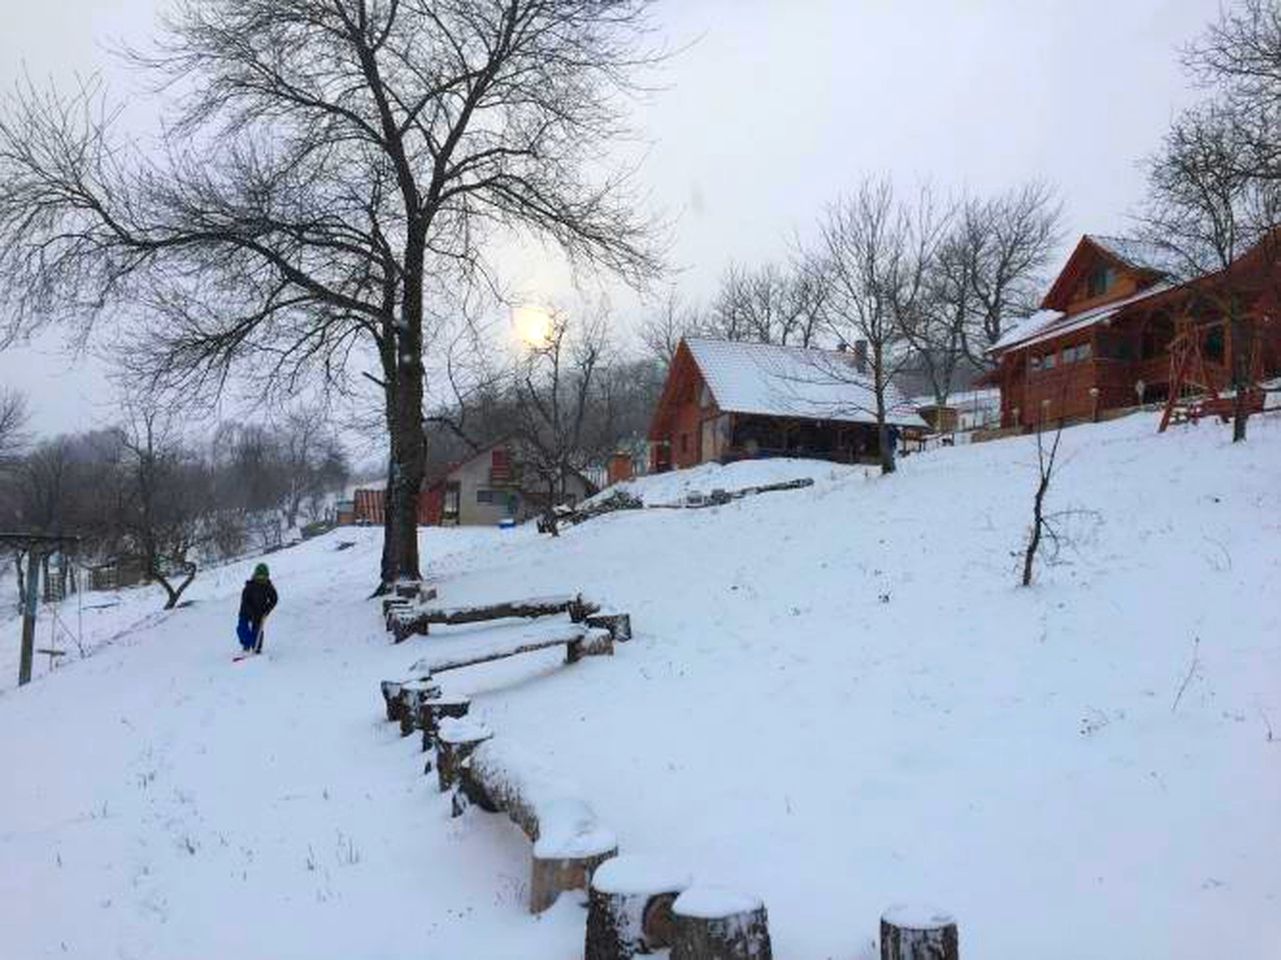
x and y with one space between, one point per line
837 699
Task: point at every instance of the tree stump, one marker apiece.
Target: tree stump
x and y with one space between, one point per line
391 698
411 695
554 872
455 742
580 609
619 625
712 923
597 642
913 932
435 709
629 908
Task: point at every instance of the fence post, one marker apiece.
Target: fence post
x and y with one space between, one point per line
29 606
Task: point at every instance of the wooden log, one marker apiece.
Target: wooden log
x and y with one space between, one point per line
580 609
911 932
619 625
412 693
526 609
578 641
455 742
409 589
551 874
395 603
433 710
629 908
594 643
711 923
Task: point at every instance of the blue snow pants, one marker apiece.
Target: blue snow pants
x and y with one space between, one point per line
247 631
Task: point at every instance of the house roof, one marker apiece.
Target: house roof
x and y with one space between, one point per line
1139 254
768 379
1048 324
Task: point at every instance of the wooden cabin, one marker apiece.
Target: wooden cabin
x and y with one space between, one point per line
1116 330
731 400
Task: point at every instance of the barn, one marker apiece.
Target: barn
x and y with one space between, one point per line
731 400
1116 330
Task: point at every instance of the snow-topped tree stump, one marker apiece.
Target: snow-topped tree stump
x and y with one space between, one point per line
911 932
456 740
629 908
432 711
619 625
413 693
712 923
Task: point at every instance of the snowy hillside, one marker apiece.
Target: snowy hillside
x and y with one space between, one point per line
836 699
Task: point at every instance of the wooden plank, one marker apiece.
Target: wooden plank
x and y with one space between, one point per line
450 653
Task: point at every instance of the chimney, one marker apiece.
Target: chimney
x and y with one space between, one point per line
860 356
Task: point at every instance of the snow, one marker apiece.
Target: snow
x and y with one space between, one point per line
917 916
781 381
461 730
1143 254
712 902
632 874
836 699
675 486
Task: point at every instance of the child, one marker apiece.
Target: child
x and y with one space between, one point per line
256 601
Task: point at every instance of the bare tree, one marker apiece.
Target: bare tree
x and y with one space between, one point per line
164 501
1043 525
1205 211
324 157
13 425
1238 59
1214 187
874 252
770 304
1004 243
555 388
666 324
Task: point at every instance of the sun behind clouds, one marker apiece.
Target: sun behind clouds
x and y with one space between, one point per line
533 325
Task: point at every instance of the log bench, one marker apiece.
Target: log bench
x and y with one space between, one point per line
569 842
417 620
499 643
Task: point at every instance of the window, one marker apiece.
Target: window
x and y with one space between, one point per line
1213 344
1049 360
1035 362
484 496
1100 281
1079 352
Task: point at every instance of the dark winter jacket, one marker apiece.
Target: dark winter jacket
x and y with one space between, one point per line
257 600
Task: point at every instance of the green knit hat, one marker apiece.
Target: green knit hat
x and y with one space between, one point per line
261 572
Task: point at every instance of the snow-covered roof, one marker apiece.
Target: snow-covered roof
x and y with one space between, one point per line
1142 254
1048 324
768 379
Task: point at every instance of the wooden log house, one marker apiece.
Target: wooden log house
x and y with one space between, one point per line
731 400
1116 330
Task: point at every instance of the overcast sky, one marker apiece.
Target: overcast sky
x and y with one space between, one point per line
779 105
